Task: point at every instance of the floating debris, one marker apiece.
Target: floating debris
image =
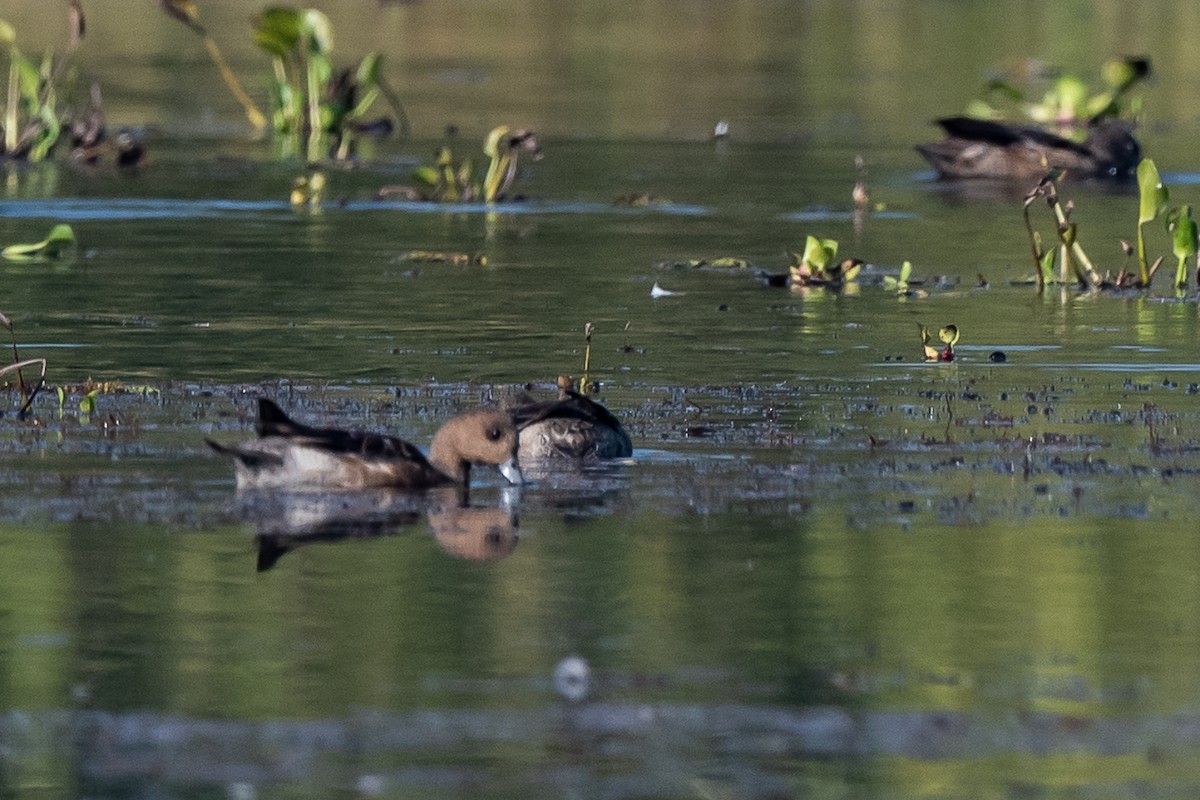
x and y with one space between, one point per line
573 678
657 291
443 257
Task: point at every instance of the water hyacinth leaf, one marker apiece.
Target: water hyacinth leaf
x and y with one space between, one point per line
491 145
1071 95
8 33
367 73
1183 242
1102 105
1122 73
277 30
87 403
1153 195
1005 90
850 268
316 27
1047 267
981 109
819 252
60 239
426 176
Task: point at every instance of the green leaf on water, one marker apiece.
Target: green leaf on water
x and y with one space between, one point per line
1047 266
1153 195
8 33
277 30
1183 242
1122 73
316 27
60 240
367 73
87 403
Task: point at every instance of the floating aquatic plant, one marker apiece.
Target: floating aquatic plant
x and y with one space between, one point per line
1152 201
899 283
32 121
59 242
451 180
311 101
948 335
1183 244
816 265
1068 101
443 257
1074 260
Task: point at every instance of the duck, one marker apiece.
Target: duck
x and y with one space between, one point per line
572 427
290 455
978 148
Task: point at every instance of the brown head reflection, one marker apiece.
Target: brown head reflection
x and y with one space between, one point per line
476 534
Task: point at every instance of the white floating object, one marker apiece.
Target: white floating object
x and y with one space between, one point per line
657 291
573 678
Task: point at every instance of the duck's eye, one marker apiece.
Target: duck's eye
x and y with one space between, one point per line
494 434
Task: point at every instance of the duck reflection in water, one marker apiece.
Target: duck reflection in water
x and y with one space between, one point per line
287 521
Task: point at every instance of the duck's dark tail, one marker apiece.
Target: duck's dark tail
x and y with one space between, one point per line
273 422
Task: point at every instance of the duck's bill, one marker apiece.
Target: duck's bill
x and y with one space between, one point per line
512 472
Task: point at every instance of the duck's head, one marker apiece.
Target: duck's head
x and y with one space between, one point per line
484 436
1116 150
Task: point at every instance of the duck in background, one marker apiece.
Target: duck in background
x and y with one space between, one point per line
290 455
978 148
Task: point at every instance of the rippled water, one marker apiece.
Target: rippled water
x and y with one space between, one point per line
829 570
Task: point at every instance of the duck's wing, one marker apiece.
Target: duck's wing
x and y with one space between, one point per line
1002 134
272 421
604 429
573 406
980 130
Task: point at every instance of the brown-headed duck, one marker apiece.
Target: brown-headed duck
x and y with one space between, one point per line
290 455
977 148
573 426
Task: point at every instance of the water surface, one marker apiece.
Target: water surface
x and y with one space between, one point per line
830 569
